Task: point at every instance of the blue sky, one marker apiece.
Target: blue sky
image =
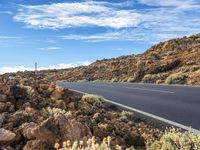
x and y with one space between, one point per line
67 33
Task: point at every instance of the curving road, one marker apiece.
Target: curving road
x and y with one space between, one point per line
180 104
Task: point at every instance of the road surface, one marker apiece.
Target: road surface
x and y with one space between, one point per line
180 104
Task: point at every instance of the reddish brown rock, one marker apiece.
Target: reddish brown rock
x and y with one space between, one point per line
4 89
59 128
6 136
2 118
3 98
27 130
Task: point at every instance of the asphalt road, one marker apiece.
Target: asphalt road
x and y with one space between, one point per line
179 104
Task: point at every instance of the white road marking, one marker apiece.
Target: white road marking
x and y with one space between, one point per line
152 90
105 85
178 125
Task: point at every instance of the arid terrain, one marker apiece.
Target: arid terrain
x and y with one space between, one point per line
172 62
38 114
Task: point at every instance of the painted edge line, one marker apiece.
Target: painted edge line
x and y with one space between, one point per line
145 89
190 129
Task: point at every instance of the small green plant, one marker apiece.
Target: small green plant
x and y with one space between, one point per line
93 99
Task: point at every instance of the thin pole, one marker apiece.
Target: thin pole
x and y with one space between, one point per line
36 74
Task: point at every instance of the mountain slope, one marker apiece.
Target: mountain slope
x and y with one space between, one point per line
173 62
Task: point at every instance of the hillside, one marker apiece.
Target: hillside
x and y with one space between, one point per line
172 62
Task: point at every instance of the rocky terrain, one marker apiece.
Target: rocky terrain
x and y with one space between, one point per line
173 62
36 115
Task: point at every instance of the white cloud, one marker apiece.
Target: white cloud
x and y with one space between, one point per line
169 19
65 15
58 66
94 38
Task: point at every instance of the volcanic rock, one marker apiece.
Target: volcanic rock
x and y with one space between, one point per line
3 98
58 128
6 136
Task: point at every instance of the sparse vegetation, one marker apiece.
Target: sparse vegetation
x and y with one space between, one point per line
174 139
127 114
196 36
171 57
83 80
176 78
93 99
53 111
114 80
90 144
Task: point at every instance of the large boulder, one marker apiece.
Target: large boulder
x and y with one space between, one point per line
6 136
59 128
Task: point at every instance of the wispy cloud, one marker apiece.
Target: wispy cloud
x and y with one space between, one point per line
50 48
58 66
94 38
78 14
172 18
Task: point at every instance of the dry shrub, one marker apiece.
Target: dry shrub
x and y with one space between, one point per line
174 139
176 78
93 99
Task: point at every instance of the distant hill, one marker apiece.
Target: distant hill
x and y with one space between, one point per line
175 61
